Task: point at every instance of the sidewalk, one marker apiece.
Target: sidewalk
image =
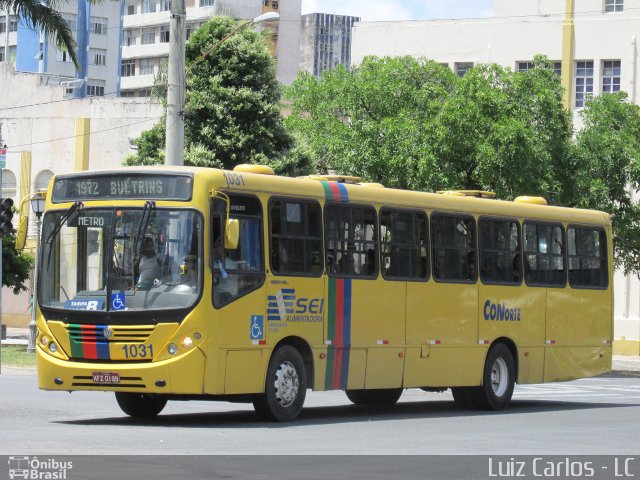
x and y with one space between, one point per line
621 363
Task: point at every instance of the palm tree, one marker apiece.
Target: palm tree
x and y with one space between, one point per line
45 16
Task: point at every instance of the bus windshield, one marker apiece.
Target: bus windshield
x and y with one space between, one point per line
111 259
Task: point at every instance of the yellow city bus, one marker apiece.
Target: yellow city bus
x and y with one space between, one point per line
189 283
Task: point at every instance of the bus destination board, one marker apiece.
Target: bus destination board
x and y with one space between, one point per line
122 187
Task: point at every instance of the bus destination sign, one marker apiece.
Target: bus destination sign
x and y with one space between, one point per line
123 187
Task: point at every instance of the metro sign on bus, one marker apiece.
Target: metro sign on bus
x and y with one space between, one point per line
3 157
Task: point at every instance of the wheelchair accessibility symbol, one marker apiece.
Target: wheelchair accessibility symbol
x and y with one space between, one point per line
117 301
256 331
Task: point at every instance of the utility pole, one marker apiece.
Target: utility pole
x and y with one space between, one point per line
175 92
3 146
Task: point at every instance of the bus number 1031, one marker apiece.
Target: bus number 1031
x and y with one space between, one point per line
137 351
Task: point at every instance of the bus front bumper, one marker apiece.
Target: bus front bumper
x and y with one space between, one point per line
180 375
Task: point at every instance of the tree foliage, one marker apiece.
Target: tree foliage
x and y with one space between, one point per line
232 106
411 123
16 267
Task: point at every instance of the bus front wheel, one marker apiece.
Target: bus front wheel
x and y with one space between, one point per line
285 387
140 405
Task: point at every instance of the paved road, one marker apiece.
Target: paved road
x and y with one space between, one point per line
590 416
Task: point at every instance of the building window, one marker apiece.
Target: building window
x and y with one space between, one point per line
8 183
610 76
1 54
3 24
72 20
97 56
165 5
148 36
13 23
463 68
128 68
128 38
63 56
206 3
148 6
274 5
144 92
127 93
98 25
164 34
95 88
146 66
523 66
131 8
611 6
557 68
265 3
584 82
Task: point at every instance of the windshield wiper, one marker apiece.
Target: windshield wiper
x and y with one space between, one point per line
142 229
56 228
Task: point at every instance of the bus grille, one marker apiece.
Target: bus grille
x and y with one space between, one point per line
108 334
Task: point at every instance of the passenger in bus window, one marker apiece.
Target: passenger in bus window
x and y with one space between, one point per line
148 267
225 280
516 268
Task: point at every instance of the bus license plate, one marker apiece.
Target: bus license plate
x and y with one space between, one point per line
106 377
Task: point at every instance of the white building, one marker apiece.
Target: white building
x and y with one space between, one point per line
145 38
98 39
596 45
326 42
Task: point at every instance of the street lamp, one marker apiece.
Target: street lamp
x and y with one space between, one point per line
174 154
37 207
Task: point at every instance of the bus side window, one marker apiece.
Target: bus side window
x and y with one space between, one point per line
587 255
403 244
453 243
544 254
500 260
350 232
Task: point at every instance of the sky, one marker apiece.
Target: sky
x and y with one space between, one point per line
373 10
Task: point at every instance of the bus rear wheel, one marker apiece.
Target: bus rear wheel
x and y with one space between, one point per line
285 387
382 397
498 381
140 405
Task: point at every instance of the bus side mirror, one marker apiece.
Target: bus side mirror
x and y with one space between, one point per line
232 234
21 233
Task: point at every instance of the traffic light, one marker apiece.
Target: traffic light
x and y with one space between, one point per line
6 214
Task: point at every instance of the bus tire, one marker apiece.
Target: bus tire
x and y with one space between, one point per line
357 397
140 405
285 387
380 397
498 379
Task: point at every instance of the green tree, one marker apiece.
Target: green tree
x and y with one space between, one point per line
412 123
232 107
44 15
607 170
16 267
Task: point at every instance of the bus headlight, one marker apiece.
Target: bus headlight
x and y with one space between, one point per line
172 349
53 348
187 342
44 340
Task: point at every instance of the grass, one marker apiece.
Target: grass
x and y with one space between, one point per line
17 356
